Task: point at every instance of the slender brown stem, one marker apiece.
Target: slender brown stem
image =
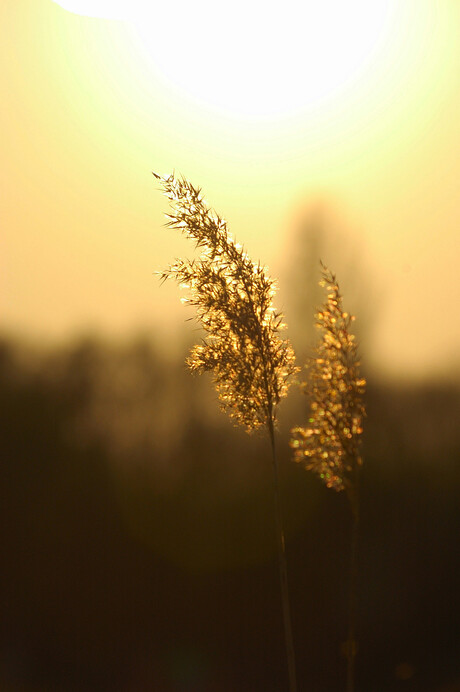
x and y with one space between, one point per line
289 642
352 588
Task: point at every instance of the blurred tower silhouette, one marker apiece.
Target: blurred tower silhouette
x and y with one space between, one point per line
319 235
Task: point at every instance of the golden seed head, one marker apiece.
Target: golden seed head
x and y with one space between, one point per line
232 296
330 444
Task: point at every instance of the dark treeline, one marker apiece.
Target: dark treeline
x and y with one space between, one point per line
138 547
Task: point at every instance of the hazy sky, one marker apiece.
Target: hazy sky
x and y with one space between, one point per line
270 113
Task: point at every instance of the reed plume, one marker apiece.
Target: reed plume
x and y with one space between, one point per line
251 364
330 445
232 295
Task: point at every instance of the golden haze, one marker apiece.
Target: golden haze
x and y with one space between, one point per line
87 116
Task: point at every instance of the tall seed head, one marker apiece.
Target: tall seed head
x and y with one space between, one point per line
330 444
232 296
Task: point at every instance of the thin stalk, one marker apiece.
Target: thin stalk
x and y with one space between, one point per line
352 588
288 639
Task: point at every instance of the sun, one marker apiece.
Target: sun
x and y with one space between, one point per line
105 9
251 58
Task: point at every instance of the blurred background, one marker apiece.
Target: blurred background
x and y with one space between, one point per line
138 547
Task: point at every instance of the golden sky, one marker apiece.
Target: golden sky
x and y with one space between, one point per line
269 112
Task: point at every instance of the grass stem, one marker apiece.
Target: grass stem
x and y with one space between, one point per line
289 642
352 587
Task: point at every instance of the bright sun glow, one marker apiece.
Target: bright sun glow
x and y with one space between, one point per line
254 59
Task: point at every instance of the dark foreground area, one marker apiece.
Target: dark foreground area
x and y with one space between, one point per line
138 548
